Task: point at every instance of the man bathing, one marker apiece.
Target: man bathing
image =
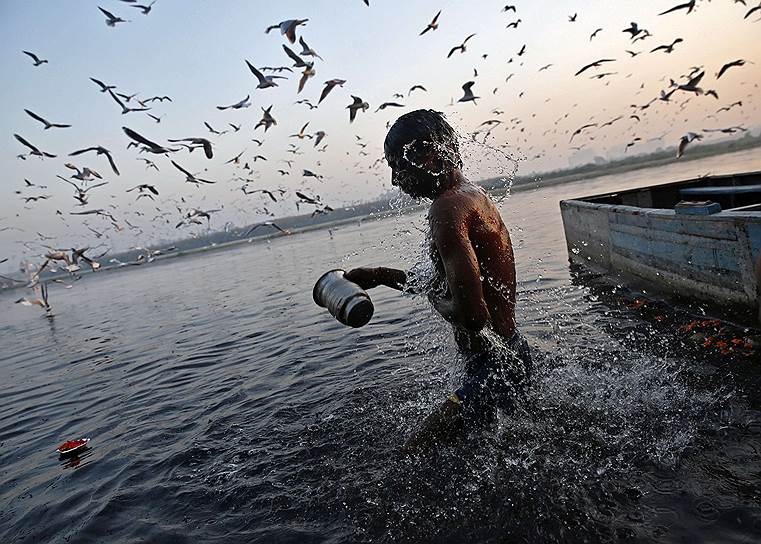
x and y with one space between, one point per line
474 286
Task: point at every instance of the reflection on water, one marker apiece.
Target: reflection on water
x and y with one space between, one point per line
223 405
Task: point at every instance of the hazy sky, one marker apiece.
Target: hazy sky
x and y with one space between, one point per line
194 51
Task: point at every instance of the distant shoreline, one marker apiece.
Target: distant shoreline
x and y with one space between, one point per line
381 209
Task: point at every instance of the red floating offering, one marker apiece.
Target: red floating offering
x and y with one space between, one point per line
72 446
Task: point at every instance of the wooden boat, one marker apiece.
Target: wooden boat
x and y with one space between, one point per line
698 240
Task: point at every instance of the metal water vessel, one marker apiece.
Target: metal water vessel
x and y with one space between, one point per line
345 300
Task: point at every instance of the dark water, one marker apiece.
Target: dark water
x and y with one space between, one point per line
224 406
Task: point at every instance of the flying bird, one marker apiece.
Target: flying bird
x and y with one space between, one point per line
148 145
99 150
308 51
685 140
387 105
267 120
37 60
689 6
45 122
125 109
415 88
103 87
264 81
468 93
667 48
594 34
356 105
329 87
245 103
461 47
32 149
595 64
727 66
433 25
197 142
287 28
190 178
111 19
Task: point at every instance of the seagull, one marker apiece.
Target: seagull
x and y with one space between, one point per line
154 98
265 191
265 224
686 139
433 25
572 18
236 159
595 64
729 130
729 65
318 136
468 96
460 47
415 88
305 75
41 302
633 53
149 146
267 120
142 188
732 105
83 175
287 28
300 135
28 199
148 163
190 178
357 104
245 103
580 129
99 211
514 24
668 48
37 60
213 130
508 8
33 150
634 30
310 174
692 85
689 6
103 86
125 109
329 85
298 62
198 142
155 117
100 151
522 51
145 9
389 104
264 81
308 51
595 33
81 192
111 19
750 12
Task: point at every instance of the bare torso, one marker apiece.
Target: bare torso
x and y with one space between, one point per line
475 217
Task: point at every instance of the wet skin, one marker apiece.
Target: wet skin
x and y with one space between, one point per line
473 256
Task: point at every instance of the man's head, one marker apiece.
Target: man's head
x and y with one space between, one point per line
423 153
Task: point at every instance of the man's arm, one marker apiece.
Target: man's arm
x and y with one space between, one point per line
368 277
466 307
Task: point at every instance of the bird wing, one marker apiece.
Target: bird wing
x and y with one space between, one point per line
107 13
37 117
112 163
297 59
27 144
139 138
451 51
36 58
256 72
181 169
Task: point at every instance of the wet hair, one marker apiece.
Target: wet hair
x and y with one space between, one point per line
420 147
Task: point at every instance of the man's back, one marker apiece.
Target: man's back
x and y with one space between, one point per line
464 218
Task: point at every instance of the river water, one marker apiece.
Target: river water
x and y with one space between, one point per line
224 406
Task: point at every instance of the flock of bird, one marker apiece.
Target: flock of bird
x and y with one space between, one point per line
87 183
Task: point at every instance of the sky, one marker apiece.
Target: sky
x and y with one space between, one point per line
195 50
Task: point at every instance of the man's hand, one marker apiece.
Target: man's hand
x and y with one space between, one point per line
364 276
